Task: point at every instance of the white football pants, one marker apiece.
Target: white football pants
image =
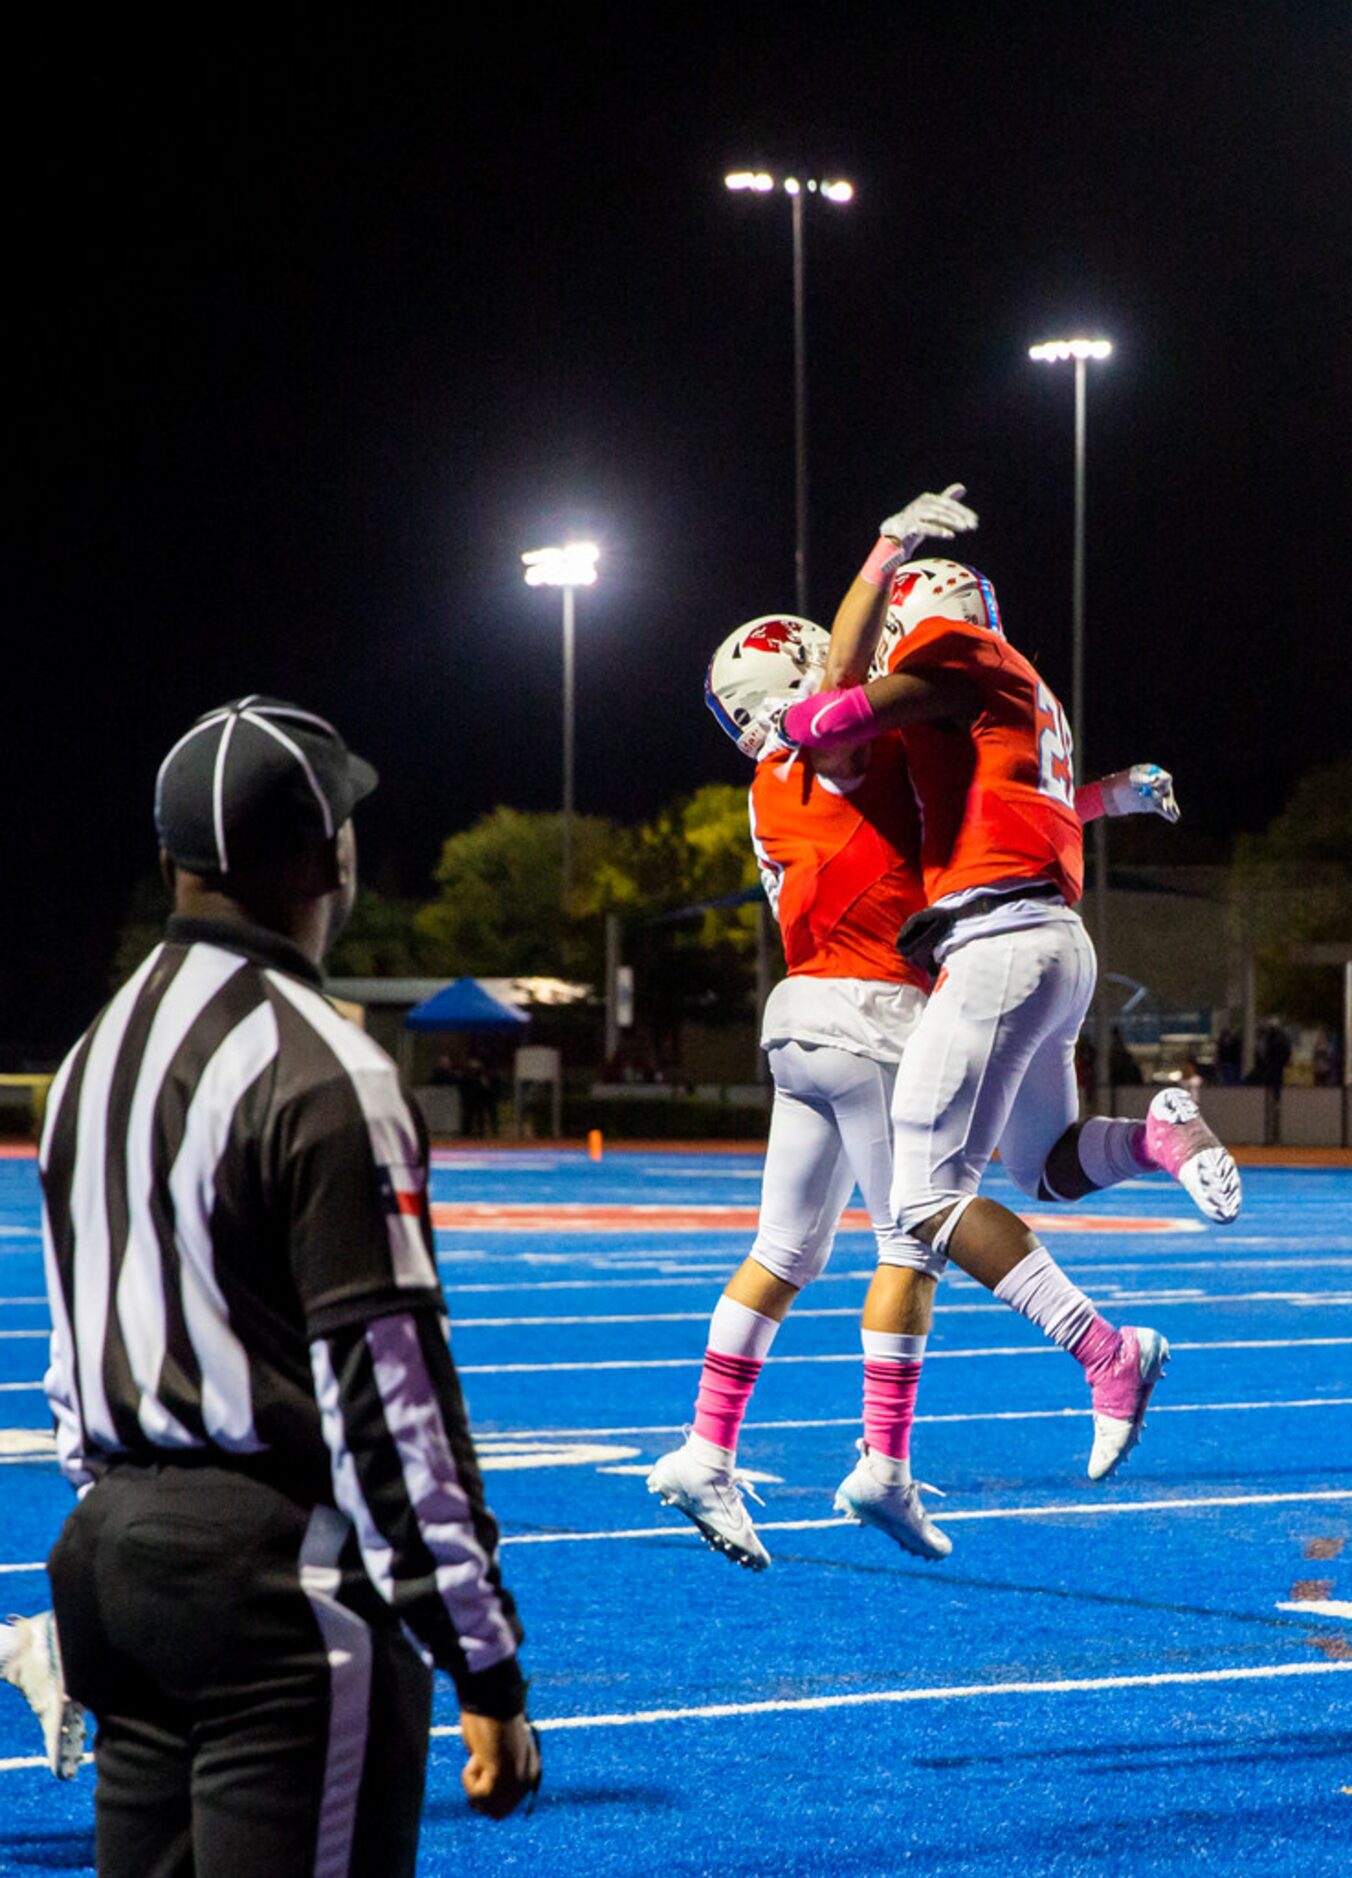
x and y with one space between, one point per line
990 1063
830 1127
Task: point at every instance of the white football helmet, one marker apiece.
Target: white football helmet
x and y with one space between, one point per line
924 590
778 656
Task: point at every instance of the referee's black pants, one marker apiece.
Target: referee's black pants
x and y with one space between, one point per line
248 1722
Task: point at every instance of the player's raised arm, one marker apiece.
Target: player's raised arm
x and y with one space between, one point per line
862 614
1144 789
854 714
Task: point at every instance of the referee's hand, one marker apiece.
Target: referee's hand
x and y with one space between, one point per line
503 1765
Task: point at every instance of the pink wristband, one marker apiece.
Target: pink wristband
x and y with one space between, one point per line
1089 803
831 718
880 566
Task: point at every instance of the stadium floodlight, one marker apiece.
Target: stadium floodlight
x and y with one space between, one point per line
568 567
839 191
1081 351
1056 351
573 565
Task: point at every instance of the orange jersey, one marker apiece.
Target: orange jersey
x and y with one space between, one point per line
997 797
841 870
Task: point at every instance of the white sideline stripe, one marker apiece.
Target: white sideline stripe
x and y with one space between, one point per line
38 1566
682 1275
493 1446
852 1356
991 1512
974 1415
800 1705
1106 1294
1319 1607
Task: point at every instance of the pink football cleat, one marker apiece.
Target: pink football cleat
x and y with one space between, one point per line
1120 1398
1179 1141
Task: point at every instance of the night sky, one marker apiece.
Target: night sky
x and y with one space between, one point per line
322 321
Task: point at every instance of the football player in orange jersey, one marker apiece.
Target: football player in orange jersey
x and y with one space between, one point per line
837 841
991 1059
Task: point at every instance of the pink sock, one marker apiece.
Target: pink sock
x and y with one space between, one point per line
725 1387
1097 1348
889 1406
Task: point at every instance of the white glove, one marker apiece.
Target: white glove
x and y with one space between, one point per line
942 516
1144 789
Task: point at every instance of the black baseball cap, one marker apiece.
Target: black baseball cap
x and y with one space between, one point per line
255 780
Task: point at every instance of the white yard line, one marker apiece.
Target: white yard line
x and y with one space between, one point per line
976 1415
852 1356
1107 1294
878 1698
1319 1607
682 1275
1061 1510
801 1705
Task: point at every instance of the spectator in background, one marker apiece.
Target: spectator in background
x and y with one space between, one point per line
443 1076
472 1096
1272 1057
1190 1077
1326 1066
1229 1057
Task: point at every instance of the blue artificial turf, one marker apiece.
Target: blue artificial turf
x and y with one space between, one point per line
1076 1690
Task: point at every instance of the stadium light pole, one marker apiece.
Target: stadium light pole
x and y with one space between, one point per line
569 567
1080 352
760 183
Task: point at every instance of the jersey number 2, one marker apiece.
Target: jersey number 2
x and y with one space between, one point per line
1055 766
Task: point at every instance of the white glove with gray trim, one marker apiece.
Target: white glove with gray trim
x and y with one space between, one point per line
1144 789
941 516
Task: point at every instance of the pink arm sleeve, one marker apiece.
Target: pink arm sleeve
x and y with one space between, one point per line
886 558
830 719
1089 803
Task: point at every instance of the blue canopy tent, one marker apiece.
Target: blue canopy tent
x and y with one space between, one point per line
465 1005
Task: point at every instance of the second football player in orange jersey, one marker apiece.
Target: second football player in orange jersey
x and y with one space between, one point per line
837 842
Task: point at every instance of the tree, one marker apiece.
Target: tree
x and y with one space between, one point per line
381 940
498 910
696 850
1292 885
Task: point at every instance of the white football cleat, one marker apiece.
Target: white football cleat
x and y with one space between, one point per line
869 1499
712 1497
1179 1141
34 1667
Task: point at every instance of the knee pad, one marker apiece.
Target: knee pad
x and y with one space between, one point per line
796 1265
901 1248
916 1212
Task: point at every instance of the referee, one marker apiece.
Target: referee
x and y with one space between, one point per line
281 1525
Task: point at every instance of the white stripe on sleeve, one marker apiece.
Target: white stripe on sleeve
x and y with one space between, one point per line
439 1501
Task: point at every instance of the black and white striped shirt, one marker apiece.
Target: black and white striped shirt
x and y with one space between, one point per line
239 1263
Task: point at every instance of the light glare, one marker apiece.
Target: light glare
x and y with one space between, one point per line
1053 351
749 179
839 191
573 565
791 185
